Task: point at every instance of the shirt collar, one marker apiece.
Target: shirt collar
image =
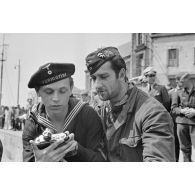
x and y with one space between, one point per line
132 96
41 107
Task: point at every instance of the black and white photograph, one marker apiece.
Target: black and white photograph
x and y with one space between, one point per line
97 97
81 97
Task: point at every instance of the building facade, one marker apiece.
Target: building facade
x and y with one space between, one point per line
168 53
141 46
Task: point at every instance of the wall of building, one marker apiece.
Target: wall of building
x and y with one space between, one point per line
185 45
141 57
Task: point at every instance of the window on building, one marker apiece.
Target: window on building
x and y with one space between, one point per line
139 64
140 38
173 57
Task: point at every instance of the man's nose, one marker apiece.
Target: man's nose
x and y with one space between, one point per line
97 83
55 96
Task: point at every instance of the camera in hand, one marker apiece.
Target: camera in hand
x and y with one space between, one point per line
47 138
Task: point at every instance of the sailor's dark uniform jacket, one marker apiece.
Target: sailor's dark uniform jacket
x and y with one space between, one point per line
86 126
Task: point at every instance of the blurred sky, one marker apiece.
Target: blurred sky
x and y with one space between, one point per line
36 49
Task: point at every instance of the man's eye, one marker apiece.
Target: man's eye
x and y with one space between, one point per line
48 91
63 91
104 77
93 78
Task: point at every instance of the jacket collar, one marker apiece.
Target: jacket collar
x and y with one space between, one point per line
132 98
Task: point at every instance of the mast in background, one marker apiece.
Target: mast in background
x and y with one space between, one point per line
18 95
2 61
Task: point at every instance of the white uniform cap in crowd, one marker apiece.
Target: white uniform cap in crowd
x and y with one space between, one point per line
149 70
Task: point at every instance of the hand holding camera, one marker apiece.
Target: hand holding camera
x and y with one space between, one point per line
50 147
47 138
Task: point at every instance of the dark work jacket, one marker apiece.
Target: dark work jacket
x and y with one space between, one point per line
171 96
147 134
160 93
88 131
183 99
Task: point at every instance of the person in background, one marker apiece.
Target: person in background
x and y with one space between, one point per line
183 107
155 90
13 117
18 124
142 83
22 117
7 123
138 128
85 97
169 87
171 92
2 116
1 150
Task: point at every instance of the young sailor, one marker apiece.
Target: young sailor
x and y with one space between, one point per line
60 112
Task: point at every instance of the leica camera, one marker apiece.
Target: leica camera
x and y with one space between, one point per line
47 138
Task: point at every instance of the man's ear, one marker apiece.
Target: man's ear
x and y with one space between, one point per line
37 92
71 88
122 74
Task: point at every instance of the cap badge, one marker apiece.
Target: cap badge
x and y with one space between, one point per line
48 70
101 55
108 53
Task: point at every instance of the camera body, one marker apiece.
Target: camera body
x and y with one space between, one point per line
47 138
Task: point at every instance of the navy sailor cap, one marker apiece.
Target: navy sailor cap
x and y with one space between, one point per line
50 73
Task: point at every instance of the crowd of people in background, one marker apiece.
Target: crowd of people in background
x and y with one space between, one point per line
12 118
